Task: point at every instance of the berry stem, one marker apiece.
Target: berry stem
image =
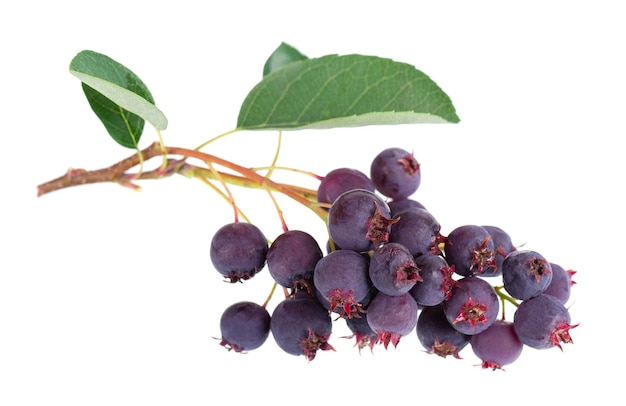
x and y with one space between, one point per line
504 298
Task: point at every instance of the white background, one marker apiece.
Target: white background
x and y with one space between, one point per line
107 296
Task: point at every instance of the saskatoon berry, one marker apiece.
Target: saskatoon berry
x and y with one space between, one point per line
301 326
341 180
244 326
498 345
392 317
238 251
291 260
542 322
561 284
437 281
395 173
473 305
525 274
470 249
341 280
398 205
416 229
362 332
437 335
359 220
393 270
502 247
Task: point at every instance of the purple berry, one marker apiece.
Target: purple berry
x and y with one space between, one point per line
395 173
543 322
502 245
244 326
437 281
470 249
238 251
291 260
359 220
416 229
525 274
498 345
398 205
301 326
437 335
393 270
341 180
473 305
561 284
392 317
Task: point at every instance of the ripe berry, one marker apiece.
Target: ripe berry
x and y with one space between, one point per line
543 322
470 249
473 305
341 180
525 274
301 326
418 230
244 326
561 284
502 244
392 317
437 281
393 270
238 251
359 220
395 173
437 335
498 345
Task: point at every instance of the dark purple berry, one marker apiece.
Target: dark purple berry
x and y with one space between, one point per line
244 326
473 305
395 173
498 345
393 270
291 260
359 220
238 251
301 326
561 284
362 332
398 205
392 317
525 274
418 230
470 249
502 246
341 180
437 281
437 335
342 280
543 322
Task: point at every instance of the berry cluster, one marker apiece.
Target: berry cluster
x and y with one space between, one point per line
388 271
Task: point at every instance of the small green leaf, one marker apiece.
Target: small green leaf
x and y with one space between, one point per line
282 56
344 91
118 97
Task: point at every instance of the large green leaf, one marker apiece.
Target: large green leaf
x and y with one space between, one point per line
282 56
344 91
118 97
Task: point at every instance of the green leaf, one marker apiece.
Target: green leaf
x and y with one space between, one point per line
282 56
117 96
344 91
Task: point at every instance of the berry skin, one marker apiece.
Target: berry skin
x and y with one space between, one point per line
245 326
418 230
342 280
398 205
498 345
526 274
561 284
470 249
473 305
543 322
238 251
437 281
395 173
301 326
362 332
291 260
393 270
341 180
359 220
437 335
502 244
392 317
